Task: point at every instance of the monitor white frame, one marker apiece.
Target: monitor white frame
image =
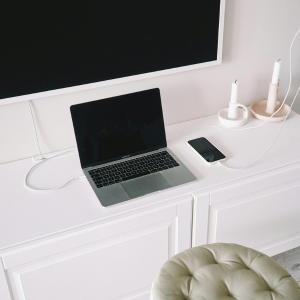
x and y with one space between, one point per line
128 78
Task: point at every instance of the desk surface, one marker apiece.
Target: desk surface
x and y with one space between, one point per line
27 215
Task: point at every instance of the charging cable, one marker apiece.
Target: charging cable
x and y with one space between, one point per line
261 124
46 159
220 128
36 135
290 65
231 168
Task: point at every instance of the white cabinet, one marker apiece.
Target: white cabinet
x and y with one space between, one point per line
266 219
115 259
64 245
118 257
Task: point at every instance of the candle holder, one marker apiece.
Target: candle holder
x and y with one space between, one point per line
263 109
233 116
237 119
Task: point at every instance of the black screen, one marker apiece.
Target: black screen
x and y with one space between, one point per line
208 151
48 45
120 126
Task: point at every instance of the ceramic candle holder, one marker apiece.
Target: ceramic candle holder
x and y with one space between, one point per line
263 109
233 116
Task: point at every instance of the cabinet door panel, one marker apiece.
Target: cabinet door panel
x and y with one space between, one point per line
255 184
200 219
144 294
98 271
257 221
184 226
115 260
4 291
88 235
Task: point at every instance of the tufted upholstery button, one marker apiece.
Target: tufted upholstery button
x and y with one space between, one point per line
223 271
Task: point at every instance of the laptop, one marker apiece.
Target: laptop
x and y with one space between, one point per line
123 149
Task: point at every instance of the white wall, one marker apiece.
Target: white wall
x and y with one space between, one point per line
256 34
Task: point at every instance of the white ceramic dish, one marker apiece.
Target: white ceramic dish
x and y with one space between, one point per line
258 110
238 122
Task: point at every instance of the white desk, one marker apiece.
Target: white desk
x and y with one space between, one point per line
65 236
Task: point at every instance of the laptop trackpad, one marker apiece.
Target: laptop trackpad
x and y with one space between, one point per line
145 185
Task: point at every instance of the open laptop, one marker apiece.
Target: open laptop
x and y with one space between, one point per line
123 149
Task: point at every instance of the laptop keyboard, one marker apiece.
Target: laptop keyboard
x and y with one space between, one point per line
131 169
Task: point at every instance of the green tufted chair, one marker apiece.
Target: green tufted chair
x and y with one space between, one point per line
223 272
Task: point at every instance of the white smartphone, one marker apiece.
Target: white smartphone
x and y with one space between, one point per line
206 150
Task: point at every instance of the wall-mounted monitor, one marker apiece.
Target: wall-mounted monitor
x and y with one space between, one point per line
55 47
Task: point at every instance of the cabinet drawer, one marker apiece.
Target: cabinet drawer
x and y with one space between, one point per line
255 184
258 219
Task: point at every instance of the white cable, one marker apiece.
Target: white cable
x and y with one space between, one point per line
43 160
256 126
36 136
220 128
290 65
252 127
231 168
55 189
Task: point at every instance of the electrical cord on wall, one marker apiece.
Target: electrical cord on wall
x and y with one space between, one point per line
36 135
259 125
220 128
290 82
46 159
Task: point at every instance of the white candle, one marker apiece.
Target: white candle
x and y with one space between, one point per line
276 72
234 92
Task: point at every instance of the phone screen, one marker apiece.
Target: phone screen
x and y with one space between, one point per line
208 151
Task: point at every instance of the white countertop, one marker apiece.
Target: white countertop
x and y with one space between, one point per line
27 215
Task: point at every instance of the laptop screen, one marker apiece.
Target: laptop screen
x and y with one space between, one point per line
118 127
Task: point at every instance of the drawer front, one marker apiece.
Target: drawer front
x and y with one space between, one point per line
259 218
255 184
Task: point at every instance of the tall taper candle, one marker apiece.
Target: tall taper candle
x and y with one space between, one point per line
234 92
273 89
276 71
233 110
